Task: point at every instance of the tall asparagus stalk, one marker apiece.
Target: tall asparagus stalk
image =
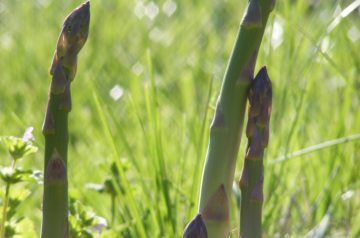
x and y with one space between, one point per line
252 178
55 128
226 127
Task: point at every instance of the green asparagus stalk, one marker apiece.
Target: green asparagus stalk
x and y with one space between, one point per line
55 128
252 178
226 127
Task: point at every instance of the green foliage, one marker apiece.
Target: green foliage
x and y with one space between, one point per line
12 175
83 222
315 71
14 220
18 147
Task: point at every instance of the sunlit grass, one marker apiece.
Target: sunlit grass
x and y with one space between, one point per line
169 58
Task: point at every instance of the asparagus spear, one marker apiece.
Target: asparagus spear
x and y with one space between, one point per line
252 178
226 127
55 128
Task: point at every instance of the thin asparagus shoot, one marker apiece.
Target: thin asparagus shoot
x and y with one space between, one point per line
55 128
252 178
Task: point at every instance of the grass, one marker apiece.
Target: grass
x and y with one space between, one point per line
170 69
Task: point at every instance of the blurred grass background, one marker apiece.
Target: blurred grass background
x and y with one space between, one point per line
144 96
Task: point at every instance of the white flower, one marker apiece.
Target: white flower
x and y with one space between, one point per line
28 134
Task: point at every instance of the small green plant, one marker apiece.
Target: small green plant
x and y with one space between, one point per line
83 222
111 187
18 149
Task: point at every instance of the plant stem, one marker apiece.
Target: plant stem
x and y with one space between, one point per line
226 127
4 211
5 205
252 178
55 129
112 210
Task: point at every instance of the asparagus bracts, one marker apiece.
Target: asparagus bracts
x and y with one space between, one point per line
226 127
55 128
252 178
196 228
